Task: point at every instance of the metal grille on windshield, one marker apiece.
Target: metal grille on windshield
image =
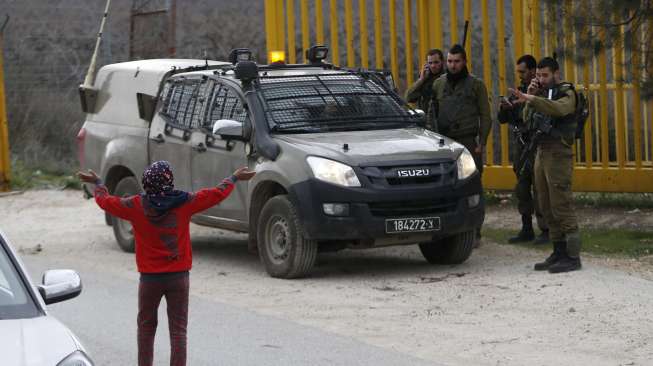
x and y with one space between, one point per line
331 102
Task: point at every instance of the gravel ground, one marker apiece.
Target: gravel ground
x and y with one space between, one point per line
492 310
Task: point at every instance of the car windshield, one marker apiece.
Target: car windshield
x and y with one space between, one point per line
15 301
332 102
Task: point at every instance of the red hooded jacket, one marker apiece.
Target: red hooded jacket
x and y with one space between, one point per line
162 244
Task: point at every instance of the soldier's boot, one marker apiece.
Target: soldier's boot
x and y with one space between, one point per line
570 260
558 252
526 233
543 238
566 264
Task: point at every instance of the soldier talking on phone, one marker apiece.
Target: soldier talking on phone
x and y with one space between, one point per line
551 108
421 91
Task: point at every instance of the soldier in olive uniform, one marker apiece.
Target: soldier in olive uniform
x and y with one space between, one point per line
550 108
421 91
511 112
461 108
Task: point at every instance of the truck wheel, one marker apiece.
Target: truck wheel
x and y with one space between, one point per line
282 246
122 229
451 250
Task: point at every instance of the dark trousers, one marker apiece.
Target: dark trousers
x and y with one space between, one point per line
525 191
150 293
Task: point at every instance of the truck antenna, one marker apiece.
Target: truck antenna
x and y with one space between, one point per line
90 75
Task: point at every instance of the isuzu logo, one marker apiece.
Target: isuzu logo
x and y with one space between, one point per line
409 173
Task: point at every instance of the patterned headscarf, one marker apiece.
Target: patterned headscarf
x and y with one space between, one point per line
158 179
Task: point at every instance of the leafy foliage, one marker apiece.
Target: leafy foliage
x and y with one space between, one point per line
603 25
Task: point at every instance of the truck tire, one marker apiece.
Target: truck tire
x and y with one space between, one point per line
122 229
451 250
282 246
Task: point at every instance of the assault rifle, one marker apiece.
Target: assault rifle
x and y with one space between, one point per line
527 153
519 135
513 120
465 32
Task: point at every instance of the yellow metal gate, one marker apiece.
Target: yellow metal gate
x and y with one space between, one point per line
616 152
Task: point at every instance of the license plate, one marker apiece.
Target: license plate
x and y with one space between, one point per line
412 225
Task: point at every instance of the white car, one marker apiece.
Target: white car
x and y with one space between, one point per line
29 336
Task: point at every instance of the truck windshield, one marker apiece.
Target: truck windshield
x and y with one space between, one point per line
331 102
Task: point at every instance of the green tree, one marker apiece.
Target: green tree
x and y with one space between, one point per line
602 25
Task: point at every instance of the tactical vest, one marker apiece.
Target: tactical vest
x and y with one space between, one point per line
566 125
457 108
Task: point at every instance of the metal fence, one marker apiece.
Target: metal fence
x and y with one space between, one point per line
616 151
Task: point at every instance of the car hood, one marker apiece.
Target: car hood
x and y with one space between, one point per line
36 341
376 145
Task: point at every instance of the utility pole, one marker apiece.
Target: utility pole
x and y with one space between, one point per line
5 161
152 31
172 29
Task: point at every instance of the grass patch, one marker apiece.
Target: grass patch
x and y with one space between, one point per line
501 236
619 242
497 197
584 199
622 200
23 178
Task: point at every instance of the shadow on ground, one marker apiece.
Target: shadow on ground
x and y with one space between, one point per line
398 261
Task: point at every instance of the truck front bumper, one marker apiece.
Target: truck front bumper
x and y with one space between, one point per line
458 207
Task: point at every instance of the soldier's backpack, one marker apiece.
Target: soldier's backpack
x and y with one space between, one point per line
582 111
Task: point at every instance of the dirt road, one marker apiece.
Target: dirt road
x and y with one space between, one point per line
493 310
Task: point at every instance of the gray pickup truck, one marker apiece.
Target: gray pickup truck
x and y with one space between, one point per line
341 160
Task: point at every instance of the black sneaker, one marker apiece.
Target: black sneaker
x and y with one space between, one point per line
566 264
543 238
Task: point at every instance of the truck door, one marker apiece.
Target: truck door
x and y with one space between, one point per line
213 159
183 102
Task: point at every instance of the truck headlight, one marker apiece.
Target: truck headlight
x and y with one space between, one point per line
466 165
333 172
77 358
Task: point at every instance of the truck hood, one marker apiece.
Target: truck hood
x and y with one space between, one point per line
376 145
35 342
